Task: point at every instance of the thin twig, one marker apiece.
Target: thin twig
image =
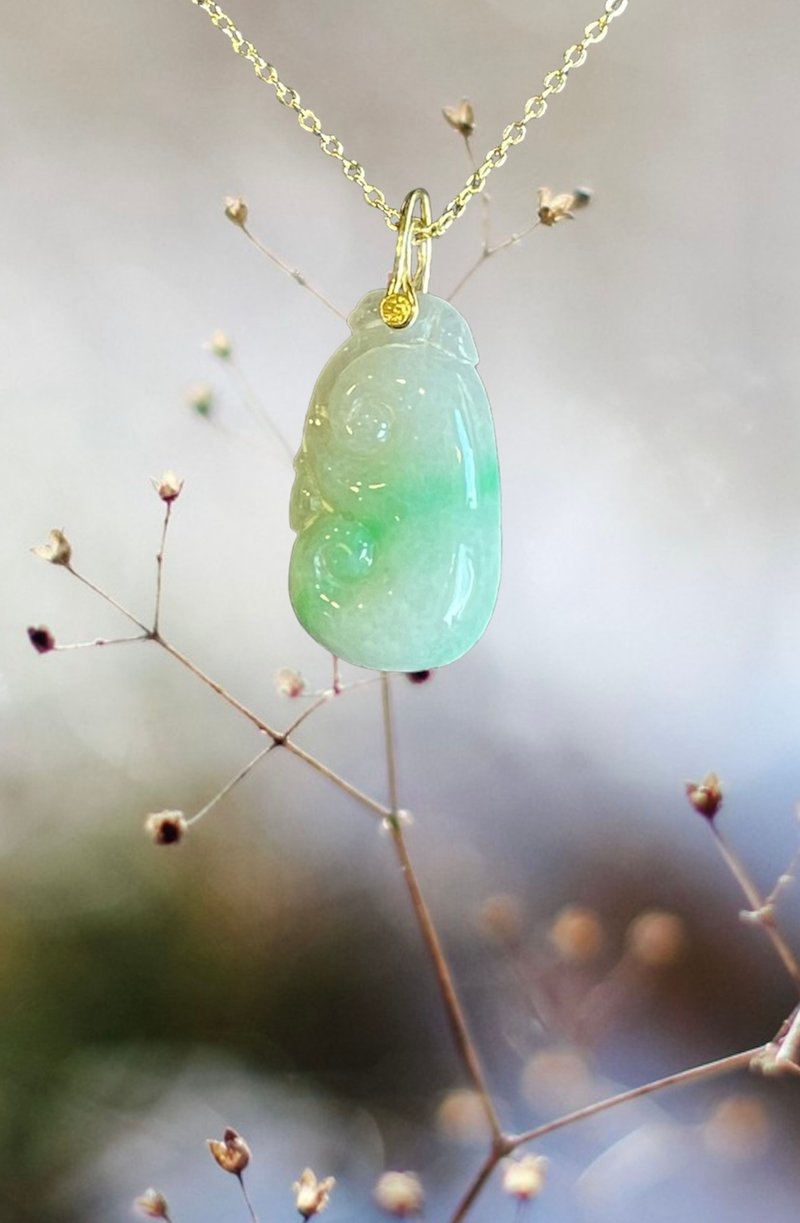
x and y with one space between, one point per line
234 781
215 686
377 808
488 252
762 913
486 201
784 880
108 599
256 408
389 742
85 645
160 565
248 1203
293 273
452 1004
709 1070
725 1065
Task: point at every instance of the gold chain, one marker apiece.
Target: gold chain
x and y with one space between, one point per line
534 108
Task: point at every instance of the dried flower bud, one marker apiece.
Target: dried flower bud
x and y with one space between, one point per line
524 1178
200 399
555 208
500 917
168 486
310 1195
656 939
461 118
41 639
399 1194
166 827
289 682
706 795
419 677
152 1204
232 1154
577 934
57 550
236 210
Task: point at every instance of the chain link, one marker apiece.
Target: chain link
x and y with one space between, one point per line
534 108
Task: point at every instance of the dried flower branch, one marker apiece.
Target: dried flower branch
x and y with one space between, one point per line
221 347
236 210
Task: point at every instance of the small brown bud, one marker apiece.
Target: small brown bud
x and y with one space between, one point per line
166 827
236 210
310 1195
656 939
289 682
232 1154
153 1205
706 795
400 1194
168 486
41 639
523 1178
555 208
220 345
461 118
577 934
419 677
57 550
200 399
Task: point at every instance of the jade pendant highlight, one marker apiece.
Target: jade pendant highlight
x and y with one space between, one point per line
396 499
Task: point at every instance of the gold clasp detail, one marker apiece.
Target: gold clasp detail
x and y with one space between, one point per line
410 275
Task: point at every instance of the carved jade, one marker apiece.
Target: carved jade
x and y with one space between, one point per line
396 499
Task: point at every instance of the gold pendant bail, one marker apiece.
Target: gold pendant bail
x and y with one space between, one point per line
412 261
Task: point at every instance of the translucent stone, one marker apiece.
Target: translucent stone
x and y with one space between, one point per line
396 499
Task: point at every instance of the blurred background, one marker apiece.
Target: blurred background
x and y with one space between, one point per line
643 367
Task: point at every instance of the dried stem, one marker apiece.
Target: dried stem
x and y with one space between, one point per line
234 781
248 1203
488 251
784 880
486 201
255 407
160 565
725 1065
762 912
455 1014
108 599
293 273
100 641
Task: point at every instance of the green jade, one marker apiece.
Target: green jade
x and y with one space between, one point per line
396 499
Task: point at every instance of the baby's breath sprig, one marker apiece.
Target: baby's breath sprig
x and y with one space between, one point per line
706 797
237 211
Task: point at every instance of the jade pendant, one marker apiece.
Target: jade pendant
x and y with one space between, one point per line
396 498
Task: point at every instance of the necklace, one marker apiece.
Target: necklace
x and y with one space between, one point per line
396 498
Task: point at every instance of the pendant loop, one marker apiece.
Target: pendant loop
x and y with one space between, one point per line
410 276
